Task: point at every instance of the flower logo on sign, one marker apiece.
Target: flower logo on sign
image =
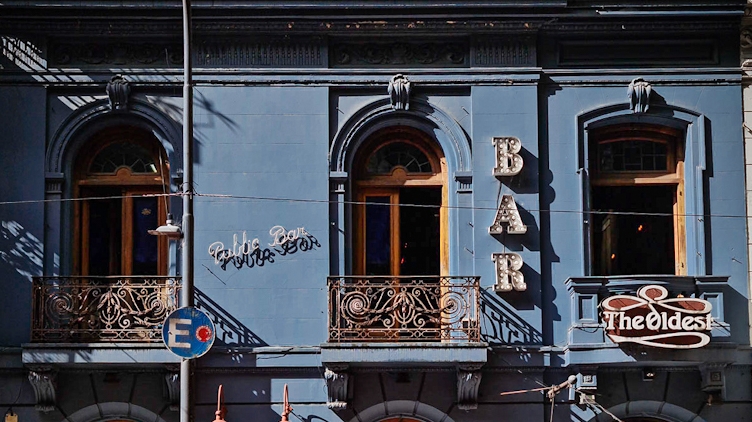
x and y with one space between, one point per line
651 319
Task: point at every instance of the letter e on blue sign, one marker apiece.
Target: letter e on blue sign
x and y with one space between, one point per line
188 332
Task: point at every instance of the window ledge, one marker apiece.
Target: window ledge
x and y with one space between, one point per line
96 353
431 354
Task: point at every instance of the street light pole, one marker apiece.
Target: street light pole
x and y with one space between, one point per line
187 255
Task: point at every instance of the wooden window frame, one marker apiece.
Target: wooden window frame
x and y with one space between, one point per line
130 185
672 176
388 185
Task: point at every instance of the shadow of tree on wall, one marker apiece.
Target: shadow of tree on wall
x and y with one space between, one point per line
230 331
20 249
500 324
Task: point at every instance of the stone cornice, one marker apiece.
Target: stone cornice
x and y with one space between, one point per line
345 26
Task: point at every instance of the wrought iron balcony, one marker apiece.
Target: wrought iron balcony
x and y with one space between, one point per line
102 309
405 308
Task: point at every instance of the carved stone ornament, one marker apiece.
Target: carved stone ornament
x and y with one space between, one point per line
639 95
172 390
336 385
419 53
745 38
399 92
508 274
43 380
101 53
118 92
508 160
468 381
507 214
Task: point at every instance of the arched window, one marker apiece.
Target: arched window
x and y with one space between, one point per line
116 171
400 189
637 199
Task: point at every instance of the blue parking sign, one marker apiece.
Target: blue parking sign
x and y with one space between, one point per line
188 332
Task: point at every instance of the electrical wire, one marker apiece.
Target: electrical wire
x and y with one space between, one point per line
324 201
590 402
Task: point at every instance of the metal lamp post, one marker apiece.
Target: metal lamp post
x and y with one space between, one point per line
187 226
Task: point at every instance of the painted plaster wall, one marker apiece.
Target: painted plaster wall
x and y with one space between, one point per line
724 192
21 225
507 111
265 147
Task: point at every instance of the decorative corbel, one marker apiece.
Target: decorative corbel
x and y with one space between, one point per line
336 385
639 95
44 382
399 92
468 382
172 390
118 92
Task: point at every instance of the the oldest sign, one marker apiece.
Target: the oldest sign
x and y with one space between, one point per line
651 319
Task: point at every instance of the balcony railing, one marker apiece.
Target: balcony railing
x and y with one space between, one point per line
405 308
102 309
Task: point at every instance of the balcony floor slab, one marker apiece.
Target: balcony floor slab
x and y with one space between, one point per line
391 354
97 353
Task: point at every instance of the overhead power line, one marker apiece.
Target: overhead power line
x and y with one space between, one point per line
325 201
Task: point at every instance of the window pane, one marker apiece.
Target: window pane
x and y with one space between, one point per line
419 231
626 241
145 249
123 154
378 235
636 155
398 154
104 236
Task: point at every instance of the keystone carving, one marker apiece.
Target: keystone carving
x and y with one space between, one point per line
118 92
399 92
336 385
468 381
639 95
44 382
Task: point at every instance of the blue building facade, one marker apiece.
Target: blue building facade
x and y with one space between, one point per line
424 211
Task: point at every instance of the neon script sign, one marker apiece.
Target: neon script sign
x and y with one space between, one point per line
650 319
251 253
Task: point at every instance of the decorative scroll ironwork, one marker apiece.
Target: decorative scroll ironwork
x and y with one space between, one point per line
407 308
101 309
